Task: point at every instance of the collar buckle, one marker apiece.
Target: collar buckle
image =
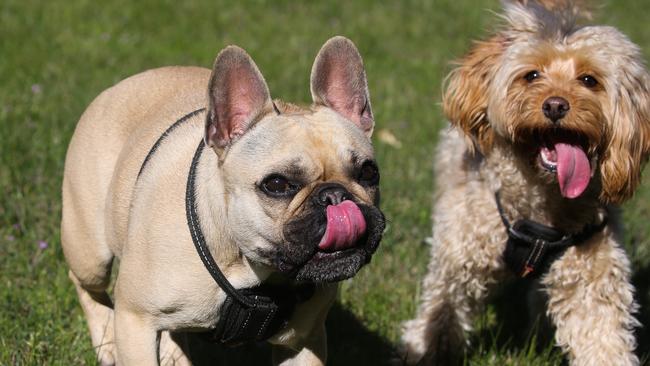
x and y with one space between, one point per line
532 247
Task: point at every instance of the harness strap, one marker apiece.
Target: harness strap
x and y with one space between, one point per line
532 246
162 137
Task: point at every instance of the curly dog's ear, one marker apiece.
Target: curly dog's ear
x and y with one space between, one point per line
465 100
629 130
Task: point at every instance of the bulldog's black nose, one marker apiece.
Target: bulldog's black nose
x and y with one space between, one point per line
555 108
331 194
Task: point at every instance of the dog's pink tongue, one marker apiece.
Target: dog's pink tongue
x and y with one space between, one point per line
345 224
573 171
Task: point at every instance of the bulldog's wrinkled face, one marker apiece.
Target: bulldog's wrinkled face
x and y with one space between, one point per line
301 184
302 193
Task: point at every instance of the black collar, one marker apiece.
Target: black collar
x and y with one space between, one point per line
252 314
199 240
532 247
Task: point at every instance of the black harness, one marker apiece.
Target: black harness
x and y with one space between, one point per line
532 247
250 314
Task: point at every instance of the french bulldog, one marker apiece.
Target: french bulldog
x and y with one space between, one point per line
177 166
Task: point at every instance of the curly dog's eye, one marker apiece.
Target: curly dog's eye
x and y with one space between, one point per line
588 81
532 76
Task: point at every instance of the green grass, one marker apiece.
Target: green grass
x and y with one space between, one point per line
58 55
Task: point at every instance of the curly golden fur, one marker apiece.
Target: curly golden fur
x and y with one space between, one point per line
497 102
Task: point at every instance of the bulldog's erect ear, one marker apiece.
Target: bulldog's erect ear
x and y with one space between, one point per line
338 81
237 97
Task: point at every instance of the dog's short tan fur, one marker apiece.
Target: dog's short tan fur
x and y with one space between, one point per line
108 211
494 111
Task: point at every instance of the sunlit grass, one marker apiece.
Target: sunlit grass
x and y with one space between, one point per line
58 55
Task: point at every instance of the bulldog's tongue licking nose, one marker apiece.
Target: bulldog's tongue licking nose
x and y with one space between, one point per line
345 224
573 171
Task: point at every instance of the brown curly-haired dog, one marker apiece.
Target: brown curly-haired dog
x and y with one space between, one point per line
551 119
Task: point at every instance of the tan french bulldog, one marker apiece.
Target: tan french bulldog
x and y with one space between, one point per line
185 173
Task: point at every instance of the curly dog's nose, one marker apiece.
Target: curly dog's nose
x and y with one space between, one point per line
555 108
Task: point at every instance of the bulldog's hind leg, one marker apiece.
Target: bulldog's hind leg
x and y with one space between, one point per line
90 264
170 351
98 308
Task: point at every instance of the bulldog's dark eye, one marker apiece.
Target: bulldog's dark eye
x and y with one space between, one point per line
532 76
588 81
276 185
368 174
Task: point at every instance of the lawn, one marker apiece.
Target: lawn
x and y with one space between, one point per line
56 56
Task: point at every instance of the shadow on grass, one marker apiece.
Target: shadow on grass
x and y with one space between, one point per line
520 308
520 318
349 343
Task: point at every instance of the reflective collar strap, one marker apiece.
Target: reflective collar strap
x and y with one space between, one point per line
190 209
199 240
